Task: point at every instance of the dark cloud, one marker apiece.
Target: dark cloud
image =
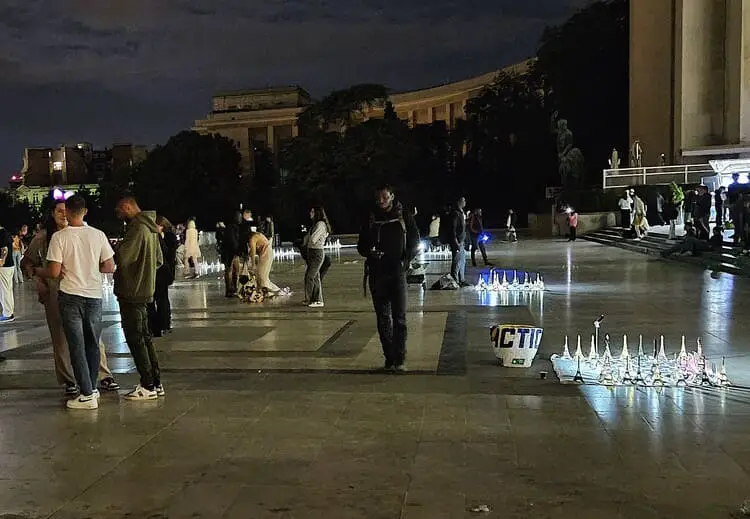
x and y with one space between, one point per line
140 70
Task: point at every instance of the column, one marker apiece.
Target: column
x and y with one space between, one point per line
269 138
412 119
430 115
449 115
295 129
737 75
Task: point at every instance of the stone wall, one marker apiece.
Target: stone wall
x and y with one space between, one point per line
544 225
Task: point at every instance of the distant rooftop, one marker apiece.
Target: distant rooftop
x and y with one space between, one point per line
291 89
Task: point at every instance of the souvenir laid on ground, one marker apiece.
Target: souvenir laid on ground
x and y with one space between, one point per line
290 253
429 252
654 369
515 345
500 280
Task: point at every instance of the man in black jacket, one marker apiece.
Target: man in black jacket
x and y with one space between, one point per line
389 239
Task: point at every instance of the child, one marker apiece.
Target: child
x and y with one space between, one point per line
573 224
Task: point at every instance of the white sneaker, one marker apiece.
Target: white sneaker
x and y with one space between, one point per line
141 393
96 394
316 304
83 402
160 390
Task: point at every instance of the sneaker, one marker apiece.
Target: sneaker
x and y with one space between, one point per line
316 304
96 394
83 402
71 389
388 367
400 368
305 302
109 384
4 319
160 390
141 393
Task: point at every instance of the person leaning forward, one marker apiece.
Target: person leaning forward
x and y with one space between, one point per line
389 239
137 258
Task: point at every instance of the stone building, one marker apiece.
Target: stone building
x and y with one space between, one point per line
266 117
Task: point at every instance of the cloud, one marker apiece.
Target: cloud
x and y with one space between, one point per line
172 54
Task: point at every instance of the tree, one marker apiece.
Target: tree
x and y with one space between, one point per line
341 109
192 175
14 213
509 144
584 66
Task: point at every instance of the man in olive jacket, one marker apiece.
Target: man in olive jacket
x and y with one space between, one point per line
137 258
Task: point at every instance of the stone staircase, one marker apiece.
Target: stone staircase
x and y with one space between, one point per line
729 260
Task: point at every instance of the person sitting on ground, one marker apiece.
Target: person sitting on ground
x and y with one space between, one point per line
717 239
689 246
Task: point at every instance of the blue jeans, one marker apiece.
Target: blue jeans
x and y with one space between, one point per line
82 325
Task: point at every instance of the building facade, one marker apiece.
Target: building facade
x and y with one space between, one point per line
267 117
690 79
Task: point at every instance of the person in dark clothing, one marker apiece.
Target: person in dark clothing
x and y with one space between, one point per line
719 196
389 239
230 255
476 229
701 212
160 310
457 240
735 198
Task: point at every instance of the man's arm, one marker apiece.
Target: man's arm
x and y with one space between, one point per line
457 226
54 258
412 237
54 269
107 266
364 245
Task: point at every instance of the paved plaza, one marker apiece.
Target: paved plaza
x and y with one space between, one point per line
277 410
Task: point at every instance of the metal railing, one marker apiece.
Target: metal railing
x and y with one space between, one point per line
655 175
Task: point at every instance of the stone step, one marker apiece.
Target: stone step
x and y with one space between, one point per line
729 260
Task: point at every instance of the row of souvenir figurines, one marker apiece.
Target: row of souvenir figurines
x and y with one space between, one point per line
659 352
496 282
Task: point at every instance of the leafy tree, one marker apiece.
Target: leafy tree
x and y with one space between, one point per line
584 67
14 213
192 175
341 109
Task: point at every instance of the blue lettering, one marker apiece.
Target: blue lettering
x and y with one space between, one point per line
506 337
523 332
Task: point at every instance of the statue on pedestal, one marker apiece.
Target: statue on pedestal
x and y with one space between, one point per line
570 159
636 154
614 160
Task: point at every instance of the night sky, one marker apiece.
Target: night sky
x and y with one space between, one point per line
141 70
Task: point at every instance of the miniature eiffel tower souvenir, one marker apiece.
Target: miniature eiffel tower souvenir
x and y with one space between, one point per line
607 352
566 352
656 377
638 375
624 354
700 347
722 379
681 380
640 347
605 377
683 350
705 380
579 353
662 353
526 282
515 279
578 376
627 378
540 280
593 355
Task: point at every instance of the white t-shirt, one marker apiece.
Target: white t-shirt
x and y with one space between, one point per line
80 250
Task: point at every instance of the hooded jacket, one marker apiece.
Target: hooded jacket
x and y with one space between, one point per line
392 233
137 258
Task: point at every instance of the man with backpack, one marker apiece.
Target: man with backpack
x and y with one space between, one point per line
389 239
456 239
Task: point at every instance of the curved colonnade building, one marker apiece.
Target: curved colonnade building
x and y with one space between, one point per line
256 119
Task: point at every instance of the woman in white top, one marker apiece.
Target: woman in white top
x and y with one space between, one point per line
192 250
316 239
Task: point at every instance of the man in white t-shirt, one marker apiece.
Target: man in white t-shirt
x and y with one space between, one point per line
80 254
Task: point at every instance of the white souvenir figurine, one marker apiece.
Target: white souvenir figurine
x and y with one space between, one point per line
640 346
579 353
515 280
593 355
607 351
624 354
566 351
700 347
683 351
722 379
606 377
662 353
627 378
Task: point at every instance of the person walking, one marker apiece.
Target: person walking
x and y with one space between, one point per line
572 225
160 310
18 248
7 270
320 229
81 253
389 239
476 230
625 204
138 257
34 263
